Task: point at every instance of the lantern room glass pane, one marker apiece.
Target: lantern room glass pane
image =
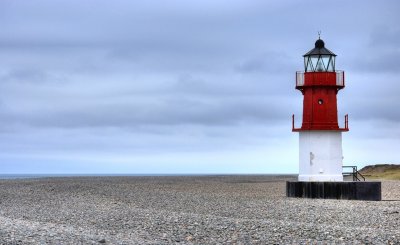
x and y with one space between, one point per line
332 64
308 64
325 60
319 63
314 61
320 67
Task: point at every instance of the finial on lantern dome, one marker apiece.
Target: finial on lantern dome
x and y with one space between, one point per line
319 43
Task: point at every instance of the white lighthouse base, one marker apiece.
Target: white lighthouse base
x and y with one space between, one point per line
320 157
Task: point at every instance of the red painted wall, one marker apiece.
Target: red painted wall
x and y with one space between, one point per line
320 102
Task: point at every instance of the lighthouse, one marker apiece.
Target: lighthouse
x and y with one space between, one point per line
320 136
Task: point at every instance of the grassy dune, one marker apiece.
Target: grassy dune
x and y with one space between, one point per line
382 171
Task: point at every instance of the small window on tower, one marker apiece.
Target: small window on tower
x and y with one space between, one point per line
320 101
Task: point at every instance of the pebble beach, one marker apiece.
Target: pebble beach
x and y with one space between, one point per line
243 209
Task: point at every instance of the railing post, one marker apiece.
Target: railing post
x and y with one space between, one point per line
355 178
292 122
343 78
355 173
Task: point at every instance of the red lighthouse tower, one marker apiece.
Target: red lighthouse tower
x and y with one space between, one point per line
320 137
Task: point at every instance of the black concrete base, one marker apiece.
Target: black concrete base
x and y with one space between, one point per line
370 191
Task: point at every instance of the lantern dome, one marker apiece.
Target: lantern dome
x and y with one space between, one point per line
319 59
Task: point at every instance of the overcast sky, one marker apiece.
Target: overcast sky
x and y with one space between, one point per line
187 86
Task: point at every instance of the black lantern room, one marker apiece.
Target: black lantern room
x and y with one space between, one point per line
319 59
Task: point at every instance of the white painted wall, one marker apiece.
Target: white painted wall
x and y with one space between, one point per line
320 156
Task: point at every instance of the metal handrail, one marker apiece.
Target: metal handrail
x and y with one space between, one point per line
340 78
300 81
293 122
354 173
346 123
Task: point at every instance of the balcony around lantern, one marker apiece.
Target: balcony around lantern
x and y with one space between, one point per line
312 128
306 79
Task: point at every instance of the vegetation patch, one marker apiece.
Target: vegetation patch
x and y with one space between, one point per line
382 171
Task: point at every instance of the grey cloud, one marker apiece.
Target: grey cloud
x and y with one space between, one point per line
386 37
170 111
167 73
269 62
381 52
383 61
31 76
375 109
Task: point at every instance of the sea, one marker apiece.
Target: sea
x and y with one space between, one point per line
35 176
